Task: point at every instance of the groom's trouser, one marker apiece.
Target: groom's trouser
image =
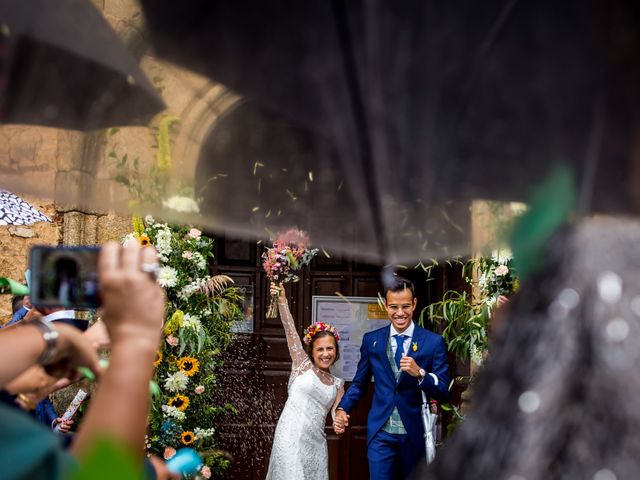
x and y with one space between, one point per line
391 456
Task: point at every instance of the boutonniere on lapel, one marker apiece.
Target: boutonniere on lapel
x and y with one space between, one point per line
414 347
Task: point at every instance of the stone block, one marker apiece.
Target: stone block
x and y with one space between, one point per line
113 227
21 231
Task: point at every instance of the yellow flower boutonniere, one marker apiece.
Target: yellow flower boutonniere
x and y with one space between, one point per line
415 346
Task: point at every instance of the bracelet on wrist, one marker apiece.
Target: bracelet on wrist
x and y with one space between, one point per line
26 401
50 336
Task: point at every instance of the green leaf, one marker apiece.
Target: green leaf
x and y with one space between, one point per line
106 459
113 131
122 179
550 206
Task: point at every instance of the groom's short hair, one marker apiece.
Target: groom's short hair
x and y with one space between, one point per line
398 284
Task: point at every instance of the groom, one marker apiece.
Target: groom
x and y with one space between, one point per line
404 359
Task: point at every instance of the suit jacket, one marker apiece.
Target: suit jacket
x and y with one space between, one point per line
431 354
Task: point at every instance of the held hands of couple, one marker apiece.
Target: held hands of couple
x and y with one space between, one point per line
340 422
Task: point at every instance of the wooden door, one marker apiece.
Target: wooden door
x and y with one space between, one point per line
256 370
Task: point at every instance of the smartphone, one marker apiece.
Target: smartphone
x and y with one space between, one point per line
64 277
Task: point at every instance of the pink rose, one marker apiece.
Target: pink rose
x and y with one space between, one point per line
501 271
199 389
169 453
206 472
187 254
172 340
194 233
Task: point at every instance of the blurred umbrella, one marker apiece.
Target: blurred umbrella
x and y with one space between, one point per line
63 66
368 118
15 211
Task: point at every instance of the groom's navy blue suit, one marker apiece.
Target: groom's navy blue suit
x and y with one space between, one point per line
405 394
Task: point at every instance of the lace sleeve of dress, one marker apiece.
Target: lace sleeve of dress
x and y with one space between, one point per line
339 395
298 355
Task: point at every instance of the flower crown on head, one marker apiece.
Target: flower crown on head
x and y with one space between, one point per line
315 328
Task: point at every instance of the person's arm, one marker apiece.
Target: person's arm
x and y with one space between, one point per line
436 383
133 312
298 355
21 347
339 429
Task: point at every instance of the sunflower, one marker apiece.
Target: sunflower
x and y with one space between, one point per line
188 365
180 402
144 240
187 438
158 360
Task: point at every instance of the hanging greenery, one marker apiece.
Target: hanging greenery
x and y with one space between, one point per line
465 315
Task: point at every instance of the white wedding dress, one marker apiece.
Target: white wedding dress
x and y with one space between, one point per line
300 445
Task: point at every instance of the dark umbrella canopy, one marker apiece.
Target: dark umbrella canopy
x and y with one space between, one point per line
63 66
412 105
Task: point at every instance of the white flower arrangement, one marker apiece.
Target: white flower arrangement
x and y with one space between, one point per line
192 342
167 277
173 412
176 382
182 204
199 261
502 256
203 433
163 243
191 322
192 288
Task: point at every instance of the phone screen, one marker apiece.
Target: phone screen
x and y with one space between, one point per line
64 277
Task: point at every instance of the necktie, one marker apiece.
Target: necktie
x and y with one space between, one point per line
399 348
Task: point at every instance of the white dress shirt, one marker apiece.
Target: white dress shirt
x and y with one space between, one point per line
408 336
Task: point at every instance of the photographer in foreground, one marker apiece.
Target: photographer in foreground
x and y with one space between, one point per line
133 312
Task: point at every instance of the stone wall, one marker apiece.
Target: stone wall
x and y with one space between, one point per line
75 171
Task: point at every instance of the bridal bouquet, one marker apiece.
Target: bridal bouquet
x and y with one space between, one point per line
285 259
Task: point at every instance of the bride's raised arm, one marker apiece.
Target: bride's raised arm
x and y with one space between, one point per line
298 355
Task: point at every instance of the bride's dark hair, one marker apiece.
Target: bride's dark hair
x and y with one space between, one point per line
309 347
559 396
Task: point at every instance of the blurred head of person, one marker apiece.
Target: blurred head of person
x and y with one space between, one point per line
559 396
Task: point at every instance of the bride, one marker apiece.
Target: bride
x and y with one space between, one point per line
300 446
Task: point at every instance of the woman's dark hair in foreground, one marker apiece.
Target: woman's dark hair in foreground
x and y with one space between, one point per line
560 395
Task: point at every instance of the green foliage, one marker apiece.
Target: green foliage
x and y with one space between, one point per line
464 317
200 312
455 417
550 206
465 322
106 460
147 185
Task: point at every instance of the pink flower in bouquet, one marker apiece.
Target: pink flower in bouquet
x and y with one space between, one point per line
294 237
206 472
194 233
169 452
199 389
501 270
285 259
187 254
172 340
